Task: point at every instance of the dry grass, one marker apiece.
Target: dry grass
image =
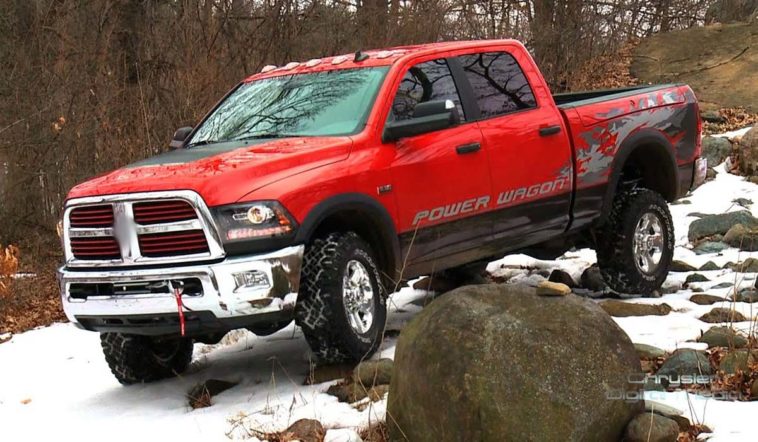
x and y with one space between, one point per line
8 267
736 118
375 433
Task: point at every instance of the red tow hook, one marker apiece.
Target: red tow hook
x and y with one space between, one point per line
178 287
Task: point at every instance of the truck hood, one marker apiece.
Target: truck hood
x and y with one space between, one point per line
221 173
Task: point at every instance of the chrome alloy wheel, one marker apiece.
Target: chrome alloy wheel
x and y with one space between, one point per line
648 243
358 296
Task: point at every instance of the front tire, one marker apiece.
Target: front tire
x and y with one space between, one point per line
136 359
342 304
636 245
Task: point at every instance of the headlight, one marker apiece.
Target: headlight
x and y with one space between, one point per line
260 219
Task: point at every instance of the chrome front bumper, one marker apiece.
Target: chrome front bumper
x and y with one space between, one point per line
221 296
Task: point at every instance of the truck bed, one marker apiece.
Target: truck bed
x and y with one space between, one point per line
574 99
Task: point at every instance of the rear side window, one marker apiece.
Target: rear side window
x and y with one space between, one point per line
426 81
498 83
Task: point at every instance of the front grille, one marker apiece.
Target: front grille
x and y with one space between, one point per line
137 229
185 242
100 216
97 248
159 212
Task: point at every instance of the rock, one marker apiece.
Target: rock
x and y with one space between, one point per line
677 202
749 265
649 351
377 392
747 152
370 373
722 285
306 430
450 357
738 360
711 173
716 149
742 238
201 394
686 361
436 283
695 277
651 427
547 288
563 277
621 309
744 202
723 337
706 299
697 290
708 266
754 389
681 266
348 392
712 116
719 315
749 295
707 247
326 373
719 224
591 279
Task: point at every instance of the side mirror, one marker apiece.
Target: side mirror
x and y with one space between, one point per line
427 117
180 136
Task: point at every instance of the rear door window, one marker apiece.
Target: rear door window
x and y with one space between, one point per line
498 83
423 82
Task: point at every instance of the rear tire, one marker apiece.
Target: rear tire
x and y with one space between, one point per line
342 303
136 359
636 244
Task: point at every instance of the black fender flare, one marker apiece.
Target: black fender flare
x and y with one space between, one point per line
345 202
645 138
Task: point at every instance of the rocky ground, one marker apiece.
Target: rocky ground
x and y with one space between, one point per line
259 388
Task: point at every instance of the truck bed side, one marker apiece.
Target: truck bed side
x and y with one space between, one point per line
645 134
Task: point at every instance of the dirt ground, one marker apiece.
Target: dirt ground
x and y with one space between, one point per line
720 62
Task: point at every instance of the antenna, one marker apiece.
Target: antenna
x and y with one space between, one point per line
360 56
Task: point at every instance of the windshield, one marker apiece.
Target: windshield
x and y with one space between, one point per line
326 103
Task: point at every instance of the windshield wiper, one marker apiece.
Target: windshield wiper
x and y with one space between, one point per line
201 143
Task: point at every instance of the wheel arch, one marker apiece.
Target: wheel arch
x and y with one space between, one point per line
365 216
646 156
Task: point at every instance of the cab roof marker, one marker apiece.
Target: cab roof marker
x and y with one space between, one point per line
268 68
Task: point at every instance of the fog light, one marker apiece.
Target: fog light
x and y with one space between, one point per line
253 279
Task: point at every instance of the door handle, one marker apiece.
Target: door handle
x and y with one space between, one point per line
549 130
468 148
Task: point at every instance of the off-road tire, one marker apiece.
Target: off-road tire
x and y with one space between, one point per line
320 311
615 254
136 359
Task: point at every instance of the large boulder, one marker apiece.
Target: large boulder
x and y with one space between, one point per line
716 149
487 361
748 153
710 225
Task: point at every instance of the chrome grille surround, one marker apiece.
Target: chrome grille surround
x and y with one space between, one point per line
126 230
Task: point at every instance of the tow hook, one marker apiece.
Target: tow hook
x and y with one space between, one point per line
178 287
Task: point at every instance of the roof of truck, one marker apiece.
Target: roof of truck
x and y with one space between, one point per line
375 57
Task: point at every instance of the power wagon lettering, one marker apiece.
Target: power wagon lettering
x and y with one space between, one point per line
476 204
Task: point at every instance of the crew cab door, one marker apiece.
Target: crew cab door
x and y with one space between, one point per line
441 179
529 151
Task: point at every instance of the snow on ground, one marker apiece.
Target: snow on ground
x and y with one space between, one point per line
55 384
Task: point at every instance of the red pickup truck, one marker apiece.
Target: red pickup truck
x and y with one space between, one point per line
312 189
